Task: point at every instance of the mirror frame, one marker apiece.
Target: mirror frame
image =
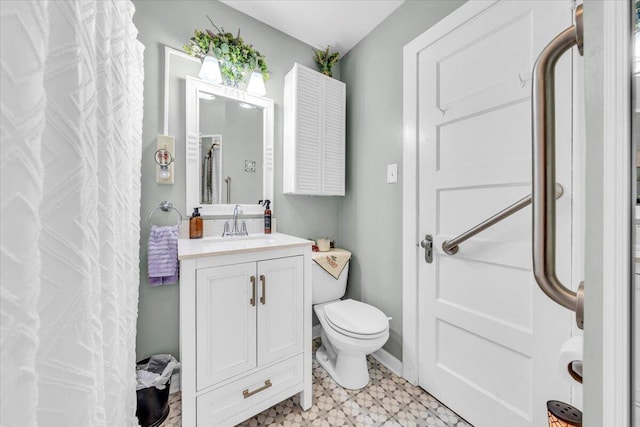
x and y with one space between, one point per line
168 53
192 125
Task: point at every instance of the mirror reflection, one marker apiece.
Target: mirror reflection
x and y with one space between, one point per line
230 152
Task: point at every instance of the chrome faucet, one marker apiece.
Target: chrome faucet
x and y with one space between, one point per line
236 231
236 210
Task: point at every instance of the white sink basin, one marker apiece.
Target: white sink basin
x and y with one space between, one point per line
218 245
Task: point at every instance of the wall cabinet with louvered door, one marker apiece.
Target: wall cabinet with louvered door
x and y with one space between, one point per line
314 133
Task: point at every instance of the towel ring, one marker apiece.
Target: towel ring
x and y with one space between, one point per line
166 206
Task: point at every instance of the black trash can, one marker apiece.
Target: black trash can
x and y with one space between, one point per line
153 404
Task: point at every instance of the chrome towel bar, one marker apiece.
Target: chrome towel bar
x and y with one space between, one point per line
544 169
451 246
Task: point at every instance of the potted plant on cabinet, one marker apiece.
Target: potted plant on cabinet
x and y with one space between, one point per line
326 60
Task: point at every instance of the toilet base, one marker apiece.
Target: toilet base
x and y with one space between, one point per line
348 370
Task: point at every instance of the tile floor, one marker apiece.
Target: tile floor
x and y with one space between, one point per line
388 400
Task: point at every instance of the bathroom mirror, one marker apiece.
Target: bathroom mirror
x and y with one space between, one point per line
259 184
229 148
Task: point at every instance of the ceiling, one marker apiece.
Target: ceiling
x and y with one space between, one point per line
339 23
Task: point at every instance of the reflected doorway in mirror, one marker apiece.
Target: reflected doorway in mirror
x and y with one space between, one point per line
211 169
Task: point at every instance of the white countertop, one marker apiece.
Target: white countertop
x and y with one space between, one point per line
214 246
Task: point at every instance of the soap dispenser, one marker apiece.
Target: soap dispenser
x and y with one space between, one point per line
195 224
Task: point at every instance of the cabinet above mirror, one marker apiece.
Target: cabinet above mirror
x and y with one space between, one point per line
229 148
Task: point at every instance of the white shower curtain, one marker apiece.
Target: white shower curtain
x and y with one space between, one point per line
71 124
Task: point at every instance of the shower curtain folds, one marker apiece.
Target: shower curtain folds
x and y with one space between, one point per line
72 74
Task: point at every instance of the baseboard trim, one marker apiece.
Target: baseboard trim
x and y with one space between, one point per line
389 361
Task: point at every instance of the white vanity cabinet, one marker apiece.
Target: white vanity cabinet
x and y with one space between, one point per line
245 326
247 315
314 133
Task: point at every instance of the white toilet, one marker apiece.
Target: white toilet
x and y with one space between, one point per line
350 330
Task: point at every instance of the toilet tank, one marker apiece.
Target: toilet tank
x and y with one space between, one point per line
325 287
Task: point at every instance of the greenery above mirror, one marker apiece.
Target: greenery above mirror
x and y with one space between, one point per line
237 58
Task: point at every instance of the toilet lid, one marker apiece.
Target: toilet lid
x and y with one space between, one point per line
356 317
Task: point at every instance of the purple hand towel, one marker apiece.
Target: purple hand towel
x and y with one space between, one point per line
162 255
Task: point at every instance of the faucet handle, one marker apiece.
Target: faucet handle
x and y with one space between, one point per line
225 230
244 228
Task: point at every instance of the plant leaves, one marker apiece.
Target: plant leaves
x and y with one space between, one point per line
237 58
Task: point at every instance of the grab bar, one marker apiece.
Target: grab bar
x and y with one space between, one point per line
227 181
451 246
544 174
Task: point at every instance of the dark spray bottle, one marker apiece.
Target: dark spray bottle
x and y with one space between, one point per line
267 216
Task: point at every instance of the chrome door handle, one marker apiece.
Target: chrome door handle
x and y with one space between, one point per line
427 244
544 175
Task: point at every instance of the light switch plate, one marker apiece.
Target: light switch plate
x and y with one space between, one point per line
166 142
392 173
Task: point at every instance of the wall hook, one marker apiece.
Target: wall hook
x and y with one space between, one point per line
523 82
442 110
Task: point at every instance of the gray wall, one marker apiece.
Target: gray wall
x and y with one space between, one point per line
171 23
371 213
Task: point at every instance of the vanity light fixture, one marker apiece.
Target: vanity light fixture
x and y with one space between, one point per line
206 96
210 70
256 84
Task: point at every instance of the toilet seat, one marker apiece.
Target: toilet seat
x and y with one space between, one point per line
356 319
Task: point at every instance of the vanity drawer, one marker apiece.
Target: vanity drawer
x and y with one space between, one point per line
218 405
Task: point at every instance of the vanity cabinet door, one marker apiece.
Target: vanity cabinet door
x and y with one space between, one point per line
280 308
225 322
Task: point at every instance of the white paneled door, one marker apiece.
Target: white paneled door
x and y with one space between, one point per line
488 337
